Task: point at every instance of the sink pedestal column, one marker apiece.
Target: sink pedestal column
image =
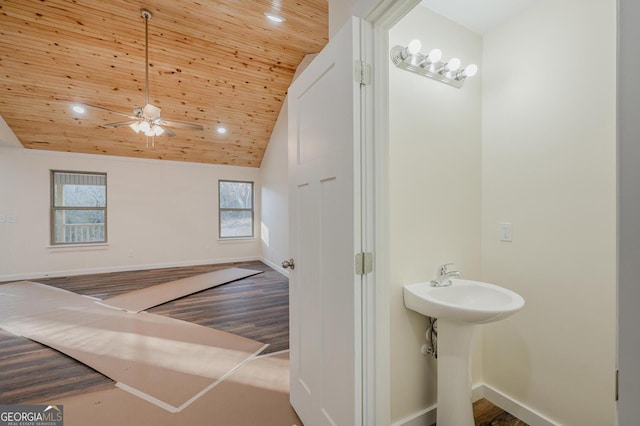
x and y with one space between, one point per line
454 374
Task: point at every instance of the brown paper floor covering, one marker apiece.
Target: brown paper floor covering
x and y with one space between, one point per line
256 394
165 361
143 299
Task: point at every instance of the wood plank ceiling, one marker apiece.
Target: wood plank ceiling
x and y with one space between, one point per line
212 62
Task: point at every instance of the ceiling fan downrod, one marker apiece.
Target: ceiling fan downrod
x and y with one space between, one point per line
147 15
147 119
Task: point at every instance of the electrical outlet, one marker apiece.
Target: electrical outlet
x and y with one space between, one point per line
506 232
2 218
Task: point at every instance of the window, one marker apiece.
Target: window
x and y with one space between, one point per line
235 202
78 207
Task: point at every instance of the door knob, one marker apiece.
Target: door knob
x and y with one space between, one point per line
289 264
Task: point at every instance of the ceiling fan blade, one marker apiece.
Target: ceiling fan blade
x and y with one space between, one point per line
149 114
120 123
110 110
181 125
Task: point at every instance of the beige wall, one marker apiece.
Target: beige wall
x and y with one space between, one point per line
544 152
160 213
548 161
434 201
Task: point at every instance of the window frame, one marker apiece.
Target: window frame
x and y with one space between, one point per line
225 209
54 209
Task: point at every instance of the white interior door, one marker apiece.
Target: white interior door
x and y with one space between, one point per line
325 292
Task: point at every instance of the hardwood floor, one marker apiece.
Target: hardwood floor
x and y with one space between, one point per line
487 414
31 372
256 307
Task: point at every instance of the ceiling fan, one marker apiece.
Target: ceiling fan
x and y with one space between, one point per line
147 119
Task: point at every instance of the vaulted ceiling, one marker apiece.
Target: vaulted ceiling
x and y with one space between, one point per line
212 62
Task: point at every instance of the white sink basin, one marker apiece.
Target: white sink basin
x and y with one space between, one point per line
464 301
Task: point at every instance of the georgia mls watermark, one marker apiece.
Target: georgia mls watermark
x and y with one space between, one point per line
31 415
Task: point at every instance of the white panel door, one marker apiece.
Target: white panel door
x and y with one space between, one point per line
325 292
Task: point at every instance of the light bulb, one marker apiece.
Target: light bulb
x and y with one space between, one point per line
470 70
144 127
432 58
135 126
78 109
221 130
453 64
414 47
157 130
435 55
274 18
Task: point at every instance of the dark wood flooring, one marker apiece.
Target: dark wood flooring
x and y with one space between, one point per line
487 414
256 307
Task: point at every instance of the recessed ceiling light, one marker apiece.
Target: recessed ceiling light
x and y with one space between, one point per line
78 109
273 17
221 130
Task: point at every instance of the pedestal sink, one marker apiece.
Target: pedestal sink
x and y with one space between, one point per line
459 308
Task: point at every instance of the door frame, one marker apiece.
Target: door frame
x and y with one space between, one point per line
628 133
378 16
381 15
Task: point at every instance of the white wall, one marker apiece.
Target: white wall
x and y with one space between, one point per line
339 13
160 213
274 175
434 193
548 166
7 137
548 161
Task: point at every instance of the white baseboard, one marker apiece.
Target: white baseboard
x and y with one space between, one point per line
70 273
482 390
521 411
275 266
420 418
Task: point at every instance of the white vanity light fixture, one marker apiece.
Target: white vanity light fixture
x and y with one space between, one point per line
409 58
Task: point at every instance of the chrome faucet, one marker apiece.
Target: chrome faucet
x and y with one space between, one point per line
444 276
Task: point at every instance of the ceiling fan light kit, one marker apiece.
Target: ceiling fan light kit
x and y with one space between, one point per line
147 119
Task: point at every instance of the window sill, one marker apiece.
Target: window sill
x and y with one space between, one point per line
237 240
79 247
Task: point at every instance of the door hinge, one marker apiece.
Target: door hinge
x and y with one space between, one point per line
364 263
362 72
617 384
